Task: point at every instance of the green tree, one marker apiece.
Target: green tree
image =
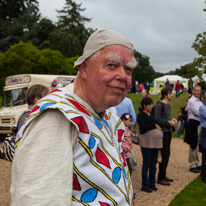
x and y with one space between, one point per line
159 74
71 28
70 17
199 46
23 28
46 27
192 71
25 58
144 71
181 72
10 9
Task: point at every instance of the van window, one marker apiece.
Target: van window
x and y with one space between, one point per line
15 97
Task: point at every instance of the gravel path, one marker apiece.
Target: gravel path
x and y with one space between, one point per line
178 169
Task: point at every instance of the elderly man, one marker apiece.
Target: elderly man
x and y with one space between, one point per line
144 94
191 136
69 150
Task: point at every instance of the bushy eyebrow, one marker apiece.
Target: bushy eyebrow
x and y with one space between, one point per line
132 63
116 58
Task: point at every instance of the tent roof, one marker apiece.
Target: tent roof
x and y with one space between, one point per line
170 78
196 78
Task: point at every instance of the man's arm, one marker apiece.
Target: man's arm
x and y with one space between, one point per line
42 170
202 112
135 128
132 112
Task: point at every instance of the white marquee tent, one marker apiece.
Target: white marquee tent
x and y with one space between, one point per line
172 78
196 78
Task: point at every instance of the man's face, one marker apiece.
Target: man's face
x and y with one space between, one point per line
169 96
108 76
197 92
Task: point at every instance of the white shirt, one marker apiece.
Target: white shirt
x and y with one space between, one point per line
193 108
54 152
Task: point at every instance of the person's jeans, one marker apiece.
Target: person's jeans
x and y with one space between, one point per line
203 169
203 172
149 163
177 93
165 152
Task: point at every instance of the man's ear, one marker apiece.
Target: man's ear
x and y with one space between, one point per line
36 99
83 69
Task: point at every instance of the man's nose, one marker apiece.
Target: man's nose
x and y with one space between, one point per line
121 74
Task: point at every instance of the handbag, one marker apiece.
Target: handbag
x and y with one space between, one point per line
135 139
172 129
133 161
7 149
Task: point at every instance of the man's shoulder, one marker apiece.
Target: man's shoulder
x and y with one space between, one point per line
202 107
124 102
159 105
127 100
163 105
192 98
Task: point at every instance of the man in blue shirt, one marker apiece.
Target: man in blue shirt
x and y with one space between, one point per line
167 83
126 106
202 142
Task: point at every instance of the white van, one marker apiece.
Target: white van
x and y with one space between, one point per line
14 103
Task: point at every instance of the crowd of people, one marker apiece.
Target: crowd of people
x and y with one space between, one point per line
75 146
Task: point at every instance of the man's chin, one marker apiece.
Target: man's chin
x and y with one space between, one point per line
115 102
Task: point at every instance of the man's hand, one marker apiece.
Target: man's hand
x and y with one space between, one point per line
134 131
174 120
134 128
172 123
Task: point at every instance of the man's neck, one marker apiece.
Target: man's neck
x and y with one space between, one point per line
195 96
80 92
165 100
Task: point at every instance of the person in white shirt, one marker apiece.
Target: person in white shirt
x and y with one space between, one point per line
69 151
191 136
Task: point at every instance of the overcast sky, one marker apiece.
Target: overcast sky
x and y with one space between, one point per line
164 30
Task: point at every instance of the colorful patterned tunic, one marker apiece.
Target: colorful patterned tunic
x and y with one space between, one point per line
100 173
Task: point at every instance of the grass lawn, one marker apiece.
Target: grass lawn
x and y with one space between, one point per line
175 104
193 195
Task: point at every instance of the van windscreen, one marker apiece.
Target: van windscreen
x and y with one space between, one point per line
15 97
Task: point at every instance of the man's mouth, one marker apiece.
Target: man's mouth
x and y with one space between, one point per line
118 89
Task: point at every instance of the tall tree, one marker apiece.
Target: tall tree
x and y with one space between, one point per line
10 9
23 28
181 72
144 71
159 74
71 23
46 27
199 46
69 17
